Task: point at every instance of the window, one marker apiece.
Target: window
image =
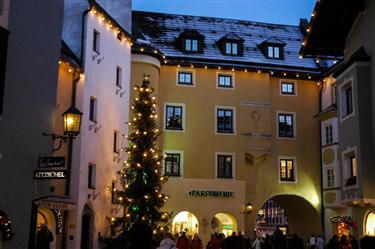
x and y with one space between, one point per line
91 176
286 125
225 80
185 78
287 170
353 166
273 52
329 134
93 109
334 93
191 45
116 142
349 100
330 178
224 120
224 166
96 41
118 76
172 164
231 48
288 88
173 117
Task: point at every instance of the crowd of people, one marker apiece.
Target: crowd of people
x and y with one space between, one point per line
277 241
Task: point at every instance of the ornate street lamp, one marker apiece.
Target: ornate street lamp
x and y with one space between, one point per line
72 125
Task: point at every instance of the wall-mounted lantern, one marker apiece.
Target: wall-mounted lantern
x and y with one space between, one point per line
248 208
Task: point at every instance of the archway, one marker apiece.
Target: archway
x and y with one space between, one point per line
185 221
370 224
224 223
87 229
293 214
45 216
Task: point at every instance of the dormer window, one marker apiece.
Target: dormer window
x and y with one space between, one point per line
273 52
231 48
231 44
190 41
191 45
273 48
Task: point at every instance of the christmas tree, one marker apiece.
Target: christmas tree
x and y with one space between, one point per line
141 176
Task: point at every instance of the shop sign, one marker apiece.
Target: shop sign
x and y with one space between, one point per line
211 193
50 174
55 205
56 161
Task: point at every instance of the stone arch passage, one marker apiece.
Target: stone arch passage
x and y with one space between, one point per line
185 221
302 218
224 223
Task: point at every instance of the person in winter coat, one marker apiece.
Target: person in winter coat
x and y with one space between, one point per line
196 243
183 241
320 242
257 244
44 237
167 242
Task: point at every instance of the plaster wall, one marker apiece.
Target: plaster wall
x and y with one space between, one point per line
97 138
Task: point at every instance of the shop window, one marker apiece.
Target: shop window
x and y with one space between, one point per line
370 224
172 164
174 117
224 166
287 170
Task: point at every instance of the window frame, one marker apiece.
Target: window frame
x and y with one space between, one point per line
231 46
96 41
233 111
191 44
273 48
225 74
328 133
192 74
119 76
116 141
233 163
93 109
183 110
330 178
292 82
348 176
294 168
181 155
294 124
348 84
91 176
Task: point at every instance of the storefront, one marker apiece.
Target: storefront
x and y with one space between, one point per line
370 224
205 206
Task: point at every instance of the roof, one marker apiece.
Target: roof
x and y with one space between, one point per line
161 31
330 23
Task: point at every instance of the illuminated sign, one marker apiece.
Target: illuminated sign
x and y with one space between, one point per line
50 174
51 161
55 205
211 193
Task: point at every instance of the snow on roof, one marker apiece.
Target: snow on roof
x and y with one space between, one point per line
162 30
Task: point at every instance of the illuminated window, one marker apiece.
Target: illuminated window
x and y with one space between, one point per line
353 166
224 166
173 117
370 224
224 120
287 170
350 168
172 164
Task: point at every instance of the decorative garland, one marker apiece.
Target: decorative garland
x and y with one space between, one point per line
5 227
349 220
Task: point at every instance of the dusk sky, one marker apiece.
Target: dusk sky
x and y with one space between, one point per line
270 11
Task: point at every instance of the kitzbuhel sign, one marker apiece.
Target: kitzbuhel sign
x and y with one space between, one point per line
50 174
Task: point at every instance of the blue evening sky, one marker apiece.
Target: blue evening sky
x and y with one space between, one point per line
270 11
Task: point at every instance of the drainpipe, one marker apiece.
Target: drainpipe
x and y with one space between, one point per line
321 164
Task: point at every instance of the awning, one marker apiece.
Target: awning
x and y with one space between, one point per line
55 202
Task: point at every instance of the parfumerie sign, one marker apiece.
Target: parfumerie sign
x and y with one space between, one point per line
50 174
211 193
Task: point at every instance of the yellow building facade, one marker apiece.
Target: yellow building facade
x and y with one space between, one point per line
228 153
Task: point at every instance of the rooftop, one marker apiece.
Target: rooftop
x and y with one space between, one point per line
161 31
